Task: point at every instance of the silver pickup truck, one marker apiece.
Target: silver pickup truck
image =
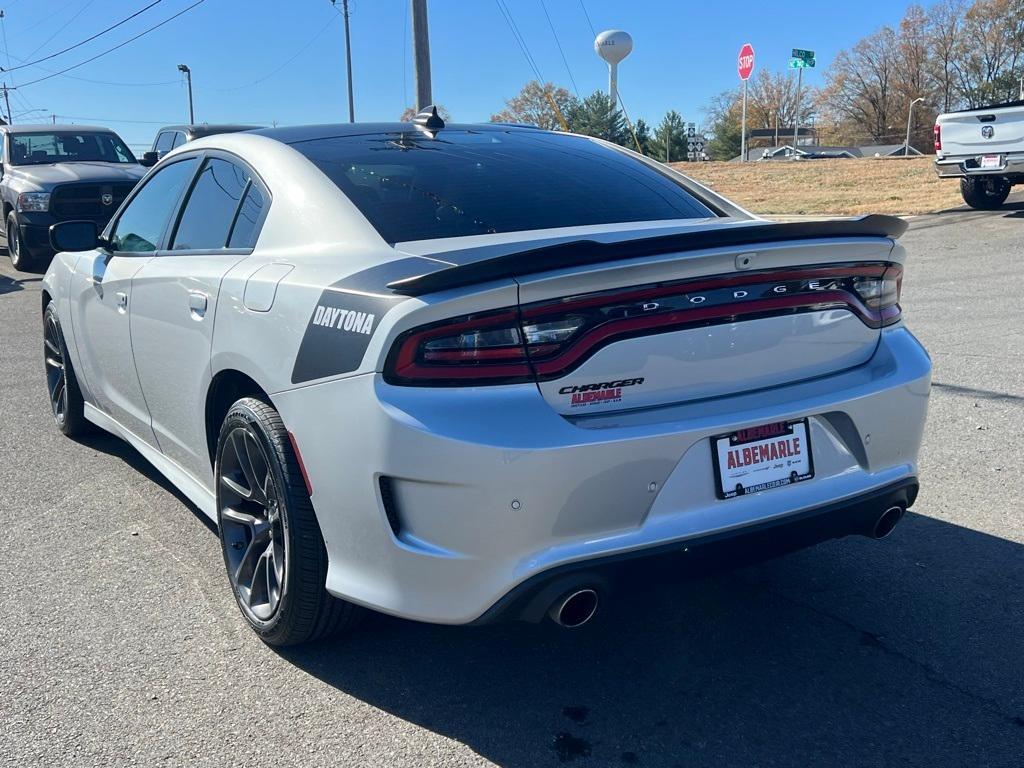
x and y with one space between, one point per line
984 148
54 173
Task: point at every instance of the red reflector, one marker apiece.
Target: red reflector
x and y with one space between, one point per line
302 465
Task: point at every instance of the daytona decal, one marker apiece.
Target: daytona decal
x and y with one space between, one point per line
348 313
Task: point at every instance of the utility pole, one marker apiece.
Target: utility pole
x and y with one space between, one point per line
7 101
188 76
348 63
421 54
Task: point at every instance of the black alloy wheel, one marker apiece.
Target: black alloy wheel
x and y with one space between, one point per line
253 528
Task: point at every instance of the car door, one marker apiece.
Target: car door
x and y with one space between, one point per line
175 301
102 295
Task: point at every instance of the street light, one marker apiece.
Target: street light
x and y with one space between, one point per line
910 111
188 76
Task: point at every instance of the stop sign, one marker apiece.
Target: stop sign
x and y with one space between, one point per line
745 62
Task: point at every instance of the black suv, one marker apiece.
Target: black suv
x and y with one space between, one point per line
52 173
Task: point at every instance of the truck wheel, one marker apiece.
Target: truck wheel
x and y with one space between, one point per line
985 193
273 549
21 259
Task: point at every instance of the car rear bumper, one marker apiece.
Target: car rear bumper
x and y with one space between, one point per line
708 553
488 488
958 167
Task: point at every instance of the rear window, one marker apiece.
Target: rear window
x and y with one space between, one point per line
464 182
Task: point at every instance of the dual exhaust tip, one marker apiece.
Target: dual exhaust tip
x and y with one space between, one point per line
578 606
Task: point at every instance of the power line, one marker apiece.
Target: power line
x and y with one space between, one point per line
285 64
589 22
119 45
60 29
560 51
87 40
507 15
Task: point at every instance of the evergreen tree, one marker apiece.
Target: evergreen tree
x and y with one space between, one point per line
669 141
643 136
597 116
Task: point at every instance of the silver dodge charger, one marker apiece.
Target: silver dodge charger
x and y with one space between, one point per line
464 373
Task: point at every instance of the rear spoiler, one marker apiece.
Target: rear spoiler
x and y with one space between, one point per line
580 252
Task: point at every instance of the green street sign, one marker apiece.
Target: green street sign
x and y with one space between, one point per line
800 53
801 63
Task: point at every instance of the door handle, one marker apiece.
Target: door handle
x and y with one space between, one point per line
197 303
122 301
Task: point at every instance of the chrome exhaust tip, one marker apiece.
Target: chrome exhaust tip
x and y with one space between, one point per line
574 609
887 522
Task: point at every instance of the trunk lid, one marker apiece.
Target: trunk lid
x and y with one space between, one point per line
701 325
623 320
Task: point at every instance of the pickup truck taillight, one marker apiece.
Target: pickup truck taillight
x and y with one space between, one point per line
938 137
546 340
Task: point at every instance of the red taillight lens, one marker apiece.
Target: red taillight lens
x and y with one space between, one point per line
548 339
486 346
938 138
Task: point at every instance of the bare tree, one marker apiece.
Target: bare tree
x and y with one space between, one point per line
533 105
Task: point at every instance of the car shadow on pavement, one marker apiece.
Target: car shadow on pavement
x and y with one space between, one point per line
857 652
115 446
11 284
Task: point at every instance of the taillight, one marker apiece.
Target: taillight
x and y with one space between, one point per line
546 340
881 295
938 137
487 347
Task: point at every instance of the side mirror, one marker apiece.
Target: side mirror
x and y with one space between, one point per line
74 236
149 159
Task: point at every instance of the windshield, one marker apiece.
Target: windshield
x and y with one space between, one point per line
466 182
68 147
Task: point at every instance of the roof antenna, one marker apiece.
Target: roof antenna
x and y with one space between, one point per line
428 120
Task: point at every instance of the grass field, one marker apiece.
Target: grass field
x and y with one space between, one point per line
836 187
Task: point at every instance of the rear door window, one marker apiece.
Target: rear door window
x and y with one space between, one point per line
179 139
247 223
211 207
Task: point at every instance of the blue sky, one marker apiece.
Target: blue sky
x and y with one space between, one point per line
283 60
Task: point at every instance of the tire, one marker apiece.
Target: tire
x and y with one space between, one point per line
66 400
21 259
984 193
273 549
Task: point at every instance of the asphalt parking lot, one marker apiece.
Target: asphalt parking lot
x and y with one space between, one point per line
120 643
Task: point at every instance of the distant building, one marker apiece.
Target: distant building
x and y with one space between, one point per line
816 152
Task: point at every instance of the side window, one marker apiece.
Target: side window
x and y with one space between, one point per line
244 234
179 139
163 142
210 210
143 222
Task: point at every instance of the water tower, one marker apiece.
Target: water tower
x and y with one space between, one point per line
613 45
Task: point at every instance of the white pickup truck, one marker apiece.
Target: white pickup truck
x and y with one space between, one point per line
984 148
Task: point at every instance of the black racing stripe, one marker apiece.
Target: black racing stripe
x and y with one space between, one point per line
347 315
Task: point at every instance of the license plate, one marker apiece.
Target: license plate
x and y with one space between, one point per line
759 458
991 161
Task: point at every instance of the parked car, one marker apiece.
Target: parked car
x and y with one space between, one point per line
173 136
457 373
984 148
54 173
